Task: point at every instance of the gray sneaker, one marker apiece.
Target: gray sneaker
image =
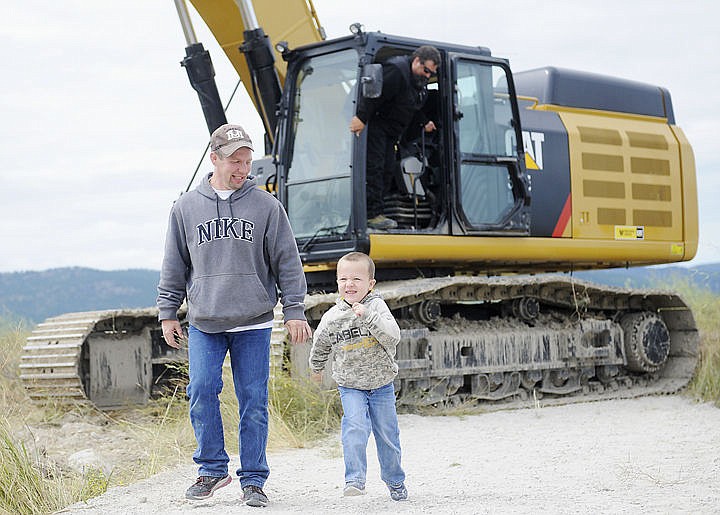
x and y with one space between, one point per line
353 489
381 222
205 486
398 492
254 496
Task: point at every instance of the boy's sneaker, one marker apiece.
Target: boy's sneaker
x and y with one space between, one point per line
353 489
398 493
254 496
206 485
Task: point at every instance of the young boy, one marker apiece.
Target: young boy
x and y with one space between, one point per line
363 333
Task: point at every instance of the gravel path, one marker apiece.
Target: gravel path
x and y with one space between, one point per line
647 455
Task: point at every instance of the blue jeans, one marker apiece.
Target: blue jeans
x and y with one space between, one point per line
250 361
365 411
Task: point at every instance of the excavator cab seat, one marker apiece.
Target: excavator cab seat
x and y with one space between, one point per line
412 168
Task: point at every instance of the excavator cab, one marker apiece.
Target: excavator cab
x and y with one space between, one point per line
473 180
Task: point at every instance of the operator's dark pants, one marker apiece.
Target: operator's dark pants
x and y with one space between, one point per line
380 168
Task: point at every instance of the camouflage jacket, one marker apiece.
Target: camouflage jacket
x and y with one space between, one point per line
363 347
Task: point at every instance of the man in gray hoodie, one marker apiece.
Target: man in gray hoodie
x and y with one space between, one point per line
229 247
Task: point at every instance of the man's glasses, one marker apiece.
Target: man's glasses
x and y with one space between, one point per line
429 71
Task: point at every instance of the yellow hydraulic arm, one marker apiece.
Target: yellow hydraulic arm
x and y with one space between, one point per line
294 21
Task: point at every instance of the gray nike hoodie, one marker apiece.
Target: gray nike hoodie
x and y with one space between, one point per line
229 257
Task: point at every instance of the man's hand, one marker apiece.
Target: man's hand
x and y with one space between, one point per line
299 331
430 126
356 126
172 332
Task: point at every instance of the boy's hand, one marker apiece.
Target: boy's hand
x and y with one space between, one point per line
317 377
358 309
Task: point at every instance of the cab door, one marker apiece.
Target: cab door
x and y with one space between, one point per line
489 190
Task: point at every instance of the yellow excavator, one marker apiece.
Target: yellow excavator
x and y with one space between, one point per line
548 170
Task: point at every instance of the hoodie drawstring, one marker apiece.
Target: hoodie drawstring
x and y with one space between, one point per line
217 208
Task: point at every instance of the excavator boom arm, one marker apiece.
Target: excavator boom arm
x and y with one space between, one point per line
236 25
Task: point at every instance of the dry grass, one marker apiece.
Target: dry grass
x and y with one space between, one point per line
28 482
159 435
13 400
705 385
705 305
26 487
299 412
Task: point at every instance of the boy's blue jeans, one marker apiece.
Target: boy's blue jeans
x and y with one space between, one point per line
365 411
250 361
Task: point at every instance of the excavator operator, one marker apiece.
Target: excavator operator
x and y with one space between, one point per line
404 92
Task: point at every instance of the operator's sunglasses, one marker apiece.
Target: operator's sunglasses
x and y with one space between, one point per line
429 71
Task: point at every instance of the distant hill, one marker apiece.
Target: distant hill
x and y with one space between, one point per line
705 277
35 296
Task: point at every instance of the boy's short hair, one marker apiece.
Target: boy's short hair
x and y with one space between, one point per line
359 256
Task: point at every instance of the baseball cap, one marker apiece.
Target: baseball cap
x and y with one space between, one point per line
227 138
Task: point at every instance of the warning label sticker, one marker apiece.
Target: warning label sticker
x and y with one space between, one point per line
629 232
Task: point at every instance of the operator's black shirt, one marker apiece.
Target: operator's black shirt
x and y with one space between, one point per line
401 100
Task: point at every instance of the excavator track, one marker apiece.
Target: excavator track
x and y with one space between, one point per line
108 358
498 342
111 358
503 342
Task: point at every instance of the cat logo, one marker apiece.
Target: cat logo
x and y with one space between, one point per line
533 143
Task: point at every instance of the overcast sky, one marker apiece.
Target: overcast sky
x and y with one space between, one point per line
101 130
